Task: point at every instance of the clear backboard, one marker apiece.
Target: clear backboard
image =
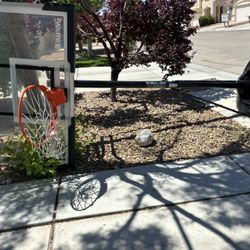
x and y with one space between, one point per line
37 47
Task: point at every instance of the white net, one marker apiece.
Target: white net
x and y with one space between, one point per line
54 146
42 127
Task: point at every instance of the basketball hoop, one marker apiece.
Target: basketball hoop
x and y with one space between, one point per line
38 117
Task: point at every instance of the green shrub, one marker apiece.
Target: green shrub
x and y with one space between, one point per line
206 20
82 146
84 53
17 149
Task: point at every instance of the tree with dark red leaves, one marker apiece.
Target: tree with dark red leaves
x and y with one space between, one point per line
140 32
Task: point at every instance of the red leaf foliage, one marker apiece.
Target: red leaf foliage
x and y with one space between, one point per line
144 31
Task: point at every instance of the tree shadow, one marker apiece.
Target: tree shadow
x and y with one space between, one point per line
20 239
120 117
11 240
27 203
146 238
134 112
134 105
24 205
202 183
215 94
107 154
157 97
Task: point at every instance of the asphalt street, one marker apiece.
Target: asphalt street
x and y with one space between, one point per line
223 50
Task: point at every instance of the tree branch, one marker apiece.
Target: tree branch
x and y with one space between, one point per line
119 46
83 32
140 47
96 17
95 32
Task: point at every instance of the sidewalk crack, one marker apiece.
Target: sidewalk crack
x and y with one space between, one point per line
242 168
52 229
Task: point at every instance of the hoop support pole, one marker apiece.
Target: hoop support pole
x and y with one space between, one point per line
164 84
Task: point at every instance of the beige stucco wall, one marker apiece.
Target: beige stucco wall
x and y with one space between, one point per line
207 4
212 7
217 7
203 7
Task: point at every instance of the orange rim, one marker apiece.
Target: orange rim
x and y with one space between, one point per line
53 109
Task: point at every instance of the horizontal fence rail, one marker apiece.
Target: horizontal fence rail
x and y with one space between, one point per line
164 84
236 84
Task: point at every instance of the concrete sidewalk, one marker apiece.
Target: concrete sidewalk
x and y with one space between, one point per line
153 73
196 204
233 26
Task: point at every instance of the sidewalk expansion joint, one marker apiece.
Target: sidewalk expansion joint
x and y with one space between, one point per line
69 219
52 229
242 168
25 227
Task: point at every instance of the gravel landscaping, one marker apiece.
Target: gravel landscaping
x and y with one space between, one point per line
183 128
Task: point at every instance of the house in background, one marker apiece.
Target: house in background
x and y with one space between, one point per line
242 10
214 8
239 10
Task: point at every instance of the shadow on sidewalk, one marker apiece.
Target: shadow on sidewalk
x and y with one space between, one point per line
128 236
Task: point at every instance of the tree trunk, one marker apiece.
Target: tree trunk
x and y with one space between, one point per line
79 41
114 77
90 49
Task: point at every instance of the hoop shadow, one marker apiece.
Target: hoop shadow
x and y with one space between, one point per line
87 193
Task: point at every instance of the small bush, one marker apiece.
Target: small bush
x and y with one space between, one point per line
206 20
17 149
82 147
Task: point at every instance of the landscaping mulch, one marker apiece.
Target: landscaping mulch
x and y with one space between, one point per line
183 128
